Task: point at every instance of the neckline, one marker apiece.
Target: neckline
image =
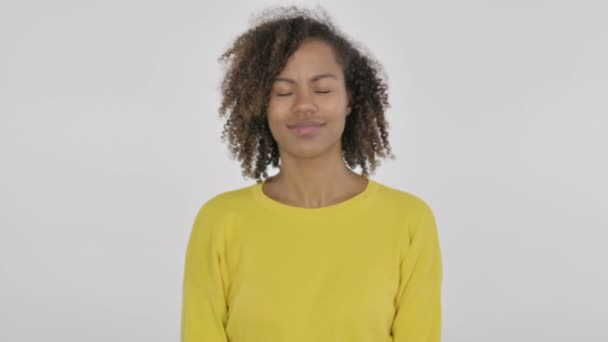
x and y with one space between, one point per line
357 201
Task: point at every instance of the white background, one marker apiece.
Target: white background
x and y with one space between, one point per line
109 144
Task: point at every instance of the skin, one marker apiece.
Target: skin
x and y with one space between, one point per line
312 172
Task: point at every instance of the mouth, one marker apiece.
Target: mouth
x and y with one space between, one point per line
306 129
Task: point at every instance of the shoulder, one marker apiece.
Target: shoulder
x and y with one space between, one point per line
402 200
415 214
226 203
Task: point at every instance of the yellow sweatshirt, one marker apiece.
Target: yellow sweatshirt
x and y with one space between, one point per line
366 269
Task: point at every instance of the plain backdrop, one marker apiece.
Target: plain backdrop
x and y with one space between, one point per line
109 145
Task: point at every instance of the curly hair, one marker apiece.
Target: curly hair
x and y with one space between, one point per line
257 56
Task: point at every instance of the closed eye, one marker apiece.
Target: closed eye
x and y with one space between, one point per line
318 92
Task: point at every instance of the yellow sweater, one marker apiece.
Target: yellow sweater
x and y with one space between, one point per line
366 269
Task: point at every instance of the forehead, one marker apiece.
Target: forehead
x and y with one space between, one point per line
312 57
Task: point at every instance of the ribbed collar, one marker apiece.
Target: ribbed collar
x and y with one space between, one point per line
357 202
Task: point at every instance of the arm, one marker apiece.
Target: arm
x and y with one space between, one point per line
204 309
418 303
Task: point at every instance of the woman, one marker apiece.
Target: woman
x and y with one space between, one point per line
316 252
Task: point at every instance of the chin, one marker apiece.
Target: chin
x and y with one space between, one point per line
305 152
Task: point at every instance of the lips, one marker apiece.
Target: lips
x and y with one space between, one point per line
307 128
306 124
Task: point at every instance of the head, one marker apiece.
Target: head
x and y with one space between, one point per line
293 68
310 89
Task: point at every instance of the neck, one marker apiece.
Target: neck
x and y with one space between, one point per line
315 183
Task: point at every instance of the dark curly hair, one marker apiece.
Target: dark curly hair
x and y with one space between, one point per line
257 56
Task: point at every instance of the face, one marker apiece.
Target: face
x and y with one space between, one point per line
309 103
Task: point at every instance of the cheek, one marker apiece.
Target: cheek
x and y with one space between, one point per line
278 106
335 110
274 117
339 127
275 124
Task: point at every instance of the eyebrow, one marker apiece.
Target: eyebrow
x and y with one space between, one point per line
312 79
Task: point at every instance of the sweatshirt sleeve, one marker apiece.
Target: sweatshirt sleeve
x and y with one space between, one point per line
418 303
204 309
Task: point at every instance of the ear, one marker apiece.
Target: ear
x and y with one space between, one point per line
348 107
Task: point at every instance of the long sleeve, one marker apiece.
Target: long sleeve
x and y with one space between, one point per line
204 308
418 303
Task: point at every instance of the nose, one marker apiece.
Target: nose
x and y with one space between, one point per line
304 102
